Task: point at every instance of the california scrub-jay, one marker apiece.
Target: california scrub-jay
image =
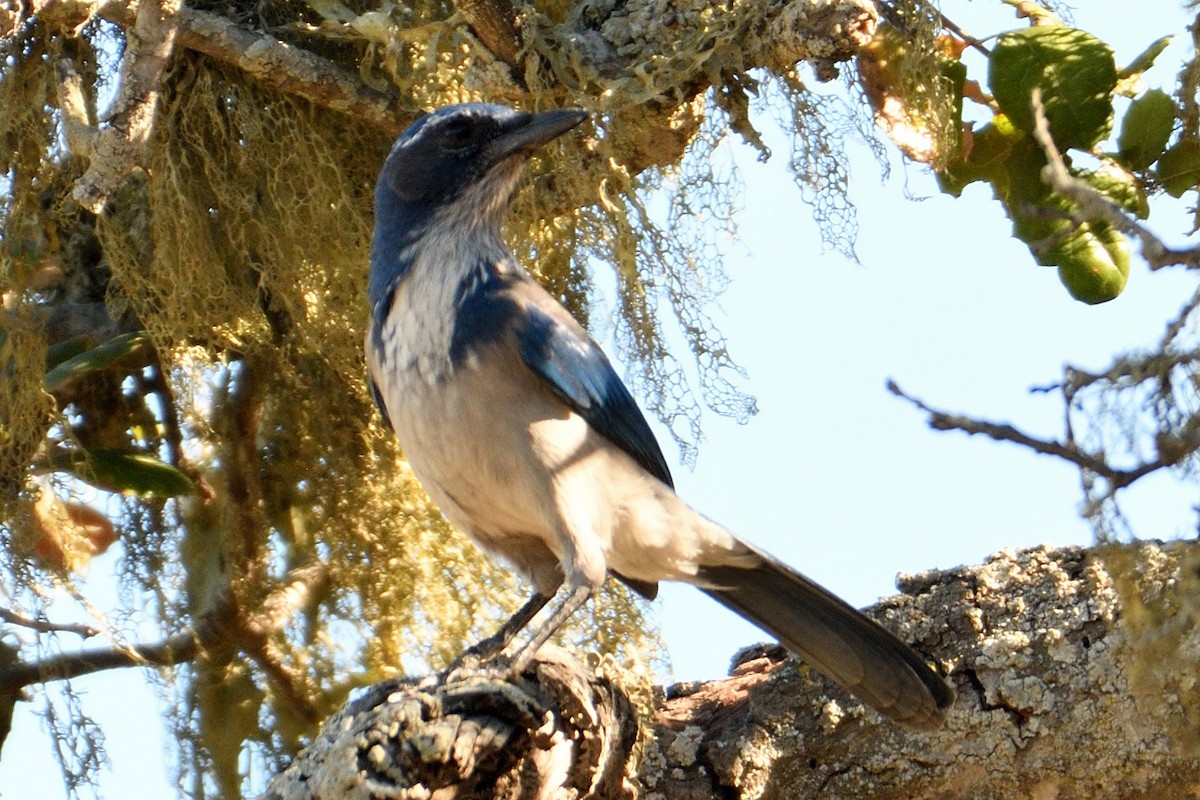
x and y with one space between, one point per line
519 429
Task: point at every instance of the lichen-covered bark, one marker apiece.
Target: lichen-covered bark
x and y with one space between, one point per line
469 735
1050 705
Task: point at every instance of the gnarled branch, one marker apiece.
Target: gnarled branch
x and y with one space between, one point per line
1056 699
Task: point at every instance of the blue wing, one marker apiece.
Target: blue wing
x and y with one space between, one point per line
564 356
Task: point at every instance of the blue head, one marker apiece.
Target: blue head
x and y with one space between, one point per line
459 165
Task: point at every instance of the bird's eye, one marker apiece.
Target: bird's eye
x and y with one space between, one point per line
458 134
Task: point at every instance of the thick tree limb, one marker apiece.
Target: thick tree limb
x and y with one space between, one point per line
1054 702
611 42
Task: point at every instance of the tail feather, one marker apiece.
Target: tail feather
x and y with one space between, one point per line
834 637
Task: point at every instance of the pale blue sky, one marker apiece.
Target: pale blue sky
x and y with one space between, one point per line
834 475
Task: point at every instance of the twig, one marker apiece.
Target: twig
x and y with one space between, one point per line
1180 447
1093 205
896 18
277 609
45 626
1002 432
951 26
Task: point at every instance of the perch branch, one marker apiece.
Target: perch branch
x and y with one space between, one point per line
1056 698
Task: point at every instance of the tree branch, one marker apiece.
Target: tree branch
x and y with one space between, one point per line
174 650
116 149
273 63
1172 450
45 626
1056 698
220 627
1004 432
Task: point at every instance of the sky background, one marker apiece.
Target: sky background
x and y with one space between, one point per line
834 475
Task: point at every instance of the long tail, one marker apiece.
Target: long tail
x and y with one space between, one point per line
831 635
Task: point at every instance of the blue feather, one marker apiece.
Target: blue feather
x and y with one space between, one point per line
483 306
377 396
579 372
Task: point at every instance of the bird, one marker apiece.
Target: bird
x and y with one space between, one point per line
518 427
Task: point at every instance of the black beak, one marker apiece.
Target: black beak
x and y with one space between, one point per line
534 130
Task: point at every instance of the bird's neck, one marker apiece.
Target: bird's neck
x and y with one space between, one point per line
451 240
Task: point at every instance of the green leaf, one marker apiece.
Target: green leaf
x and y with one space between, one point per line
128 472
1146 60
985 162
1092 258
1075 71
1094 263
1119 186
1179 168
1146 128
97 358
67 348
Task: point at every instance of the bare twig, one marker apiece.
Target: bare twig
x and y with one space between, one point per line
951 26
278 608
1093 205
45 626
1178 447
896 18
1003 432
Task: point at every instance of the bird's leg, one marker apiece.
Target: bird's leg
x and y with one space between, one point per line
517 622
520 657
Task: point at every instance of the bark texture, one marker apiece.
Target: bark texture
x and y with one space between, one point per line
1053 703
